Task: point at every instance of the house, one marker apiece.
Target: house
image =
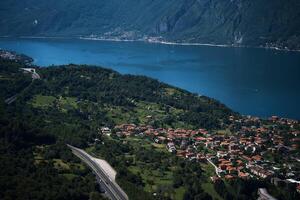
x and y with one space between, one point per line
208 144
203 131
274 118
221 154
250 148
260 172
224 144
190 155
229 177
106 131
181 153
171 147
183 144
160 139
243 175
232 170
201 157
119 134
239 163
256 158
200 139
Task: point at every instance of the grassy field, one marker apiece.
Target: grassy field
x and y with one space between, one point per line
40 101
4 78
120 115
60 164
67 103
155 180
69 176
172 92
160 147
139 142
67 169
179 193
149 111
63 103
146 113
38 156
208 186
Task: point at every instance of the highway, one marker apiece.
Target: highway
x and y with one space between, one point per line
111 188
264 195
34 76
11 99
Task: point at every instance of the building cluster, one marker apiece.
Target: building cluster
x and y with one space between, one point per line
8 55
248 147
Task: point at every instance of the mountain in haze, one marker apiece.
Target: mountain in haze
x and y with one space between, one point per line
265 23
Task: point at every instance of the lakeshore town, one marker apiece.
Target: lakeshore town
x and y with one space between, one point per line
248 147
10 55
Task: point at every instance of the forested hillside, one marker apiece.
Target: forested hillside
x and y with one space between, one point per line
233 22
68 105
71 104
34 163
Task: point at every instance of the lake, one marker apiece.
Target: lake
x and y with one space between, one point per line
252 81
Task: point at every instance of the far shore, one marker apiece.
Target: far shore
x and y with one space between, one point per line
150 42
156 41
185 43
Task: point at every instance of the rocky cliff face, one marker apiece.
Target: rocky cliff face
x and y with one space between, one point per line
236 22
232 22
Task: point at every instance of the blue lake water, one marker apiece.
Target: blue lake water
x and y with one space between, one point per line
251 81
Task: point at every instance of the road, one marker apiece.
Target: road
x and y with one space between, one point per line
112 189
11 99
264 195
34 76
216 168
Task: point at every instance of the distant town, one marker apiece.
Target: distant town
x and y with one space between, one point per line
13 56
247 148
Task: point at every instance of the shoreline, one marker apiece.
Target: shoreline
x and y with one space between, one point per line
157 42
152 42
186 43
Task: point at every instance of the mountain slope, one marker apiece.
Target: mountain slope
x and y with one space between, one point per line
70 104
234 22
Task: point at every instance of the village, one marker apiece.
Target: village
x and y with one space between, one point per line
248 147
10 55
